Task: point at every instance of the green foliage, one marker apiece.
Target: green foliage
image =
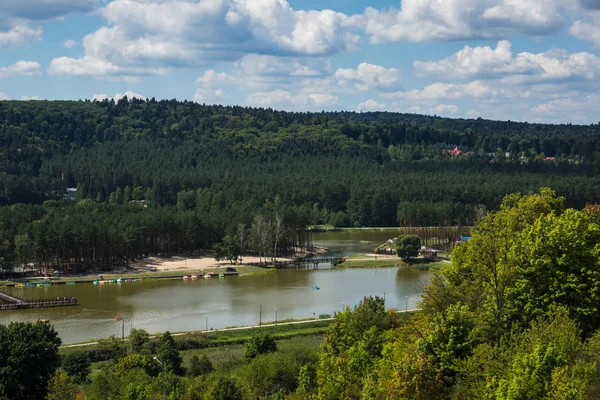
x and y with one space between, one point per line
28 358
61 387
77 366
260 343
200 366
111 348
224 389
168 354
352 345
138 340
407 246
145 363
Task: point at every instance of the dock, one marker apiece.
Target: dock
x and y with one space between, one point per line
301 263
11 302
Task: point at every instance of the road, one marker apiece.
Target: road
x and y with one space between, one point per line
237 328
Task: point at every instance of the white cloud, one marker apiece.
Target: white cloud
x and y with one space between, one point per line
19 19
130 95
210 96
445 109
439 90
28 98
19 36
21 68
587 31
97 67
322 99
575 109
485 62
420 20
266 65
369 76
370 105
174 33
4 96
69 44
285 99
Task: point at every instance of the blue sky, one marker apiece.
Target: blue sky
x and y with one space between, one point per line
525 60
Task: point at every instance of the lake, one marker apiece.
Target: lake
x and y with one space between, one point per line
177 305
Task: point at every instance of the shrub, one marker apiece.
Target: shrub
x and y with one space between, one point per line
77 366
260 343
200 365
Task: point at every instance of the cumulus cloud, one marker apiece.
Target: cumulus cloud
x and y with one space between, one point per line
69 44
210 96
4 96
97 67
421 20
28 98
445 109
369 76
19 20
370 105
587 31
19 36
439 90
485 62
574 108
285 99
130 95
21 68
267 65
173 33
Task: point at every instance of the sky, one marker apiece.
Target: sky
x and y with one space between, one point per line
519 60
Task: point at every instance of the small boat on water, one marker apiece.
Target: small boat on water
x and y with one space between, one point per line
221 275
70 283
186 277
119 280
315 288
196 276
207 276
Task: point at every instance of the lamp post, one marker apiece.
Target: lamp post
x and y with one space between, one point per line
206 321
406 306
119 318
275 316
163 376
343 306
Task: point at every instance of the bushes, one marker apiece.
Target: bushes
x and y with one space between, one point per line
260 343
200 366
77 366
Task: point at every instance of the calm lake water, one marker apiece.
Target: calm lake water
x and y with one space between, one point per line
177 305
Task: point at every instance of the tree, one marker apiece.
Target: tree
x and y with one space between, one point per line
77 366
260 343
407 246
168 354
199 366
352 345
225 389
28 358
138 339
61 387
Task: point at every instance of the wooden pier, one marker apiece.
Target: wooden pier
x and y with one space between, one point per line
11 302
301 263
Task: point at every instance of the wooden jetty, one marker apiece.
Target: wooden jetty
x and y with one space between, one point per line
301 263
11 302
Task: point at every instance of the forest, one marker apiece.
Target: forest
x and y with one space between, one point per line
101 183
514 316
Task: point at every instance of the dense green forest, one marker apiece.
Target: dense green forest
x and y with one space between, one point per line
168 176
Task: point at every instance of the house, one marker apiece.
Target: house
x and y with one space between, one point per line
70 194
454 152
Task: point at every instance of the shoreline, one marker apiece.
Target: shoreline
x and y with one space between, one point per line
171 267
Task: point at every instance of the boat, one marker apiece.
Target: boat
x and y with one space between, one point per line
19 285
119 280
185 277
221 275
315 288
196 276
70 283
207 276
30 284
95 281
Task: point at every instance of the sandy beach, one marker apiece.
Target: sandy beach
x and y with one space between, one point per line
191 263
